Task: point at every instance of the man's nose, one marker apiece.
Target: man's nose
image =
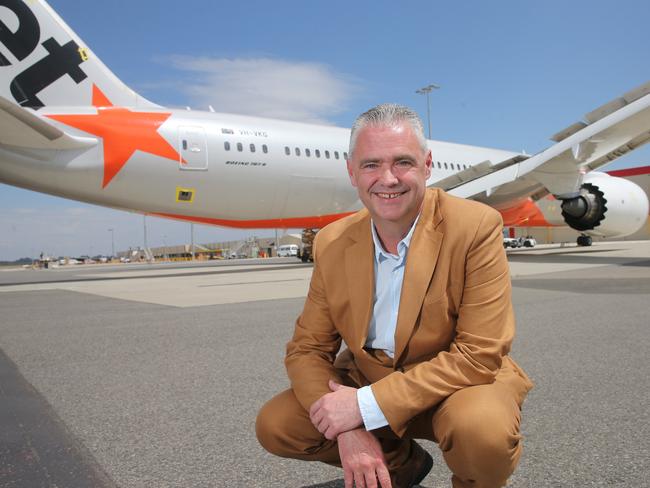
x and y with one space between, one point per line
387 177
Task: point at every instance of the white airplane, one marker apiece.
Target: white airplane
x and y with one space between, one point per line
70 127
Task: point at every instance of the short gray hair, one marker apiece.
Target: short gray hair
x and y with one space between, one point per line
387 115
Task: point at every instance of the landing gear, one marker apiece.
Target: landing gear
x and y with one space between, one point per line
584 240
306 255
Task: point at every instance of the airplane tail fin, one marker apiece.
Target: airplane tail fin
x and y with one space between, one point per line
44 63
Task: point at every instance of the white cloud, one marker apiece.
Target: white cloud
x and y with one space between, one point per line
300 91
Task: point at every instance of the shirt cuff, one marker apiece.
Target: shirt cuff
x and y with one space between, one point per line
373 417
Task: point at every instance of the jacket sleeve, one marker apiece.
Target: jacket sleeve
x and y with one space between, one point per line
312 350
484 333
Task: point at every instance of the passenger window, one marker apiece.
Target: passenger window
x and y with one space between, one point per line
265 149
327 154
240 147
307 152
317 152
252 146
439 165
336 154
287 151
226 146
297 151
445 165
345 156
184 145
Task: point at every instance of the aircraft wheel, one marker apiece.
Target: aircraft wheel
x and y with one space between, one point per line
584 241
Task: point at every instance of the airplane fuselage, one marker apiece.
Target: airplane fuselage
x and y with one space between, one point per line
228 169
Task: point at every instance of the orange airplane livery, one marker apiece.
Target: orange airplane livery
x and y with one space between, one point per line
70 127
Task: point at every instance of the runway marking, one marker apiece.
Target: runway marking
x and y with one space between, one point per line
148 273
192 290
249 283
129 275
558 259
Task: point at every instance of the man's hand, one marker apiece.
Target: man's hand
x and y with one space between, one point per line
336 412
363 460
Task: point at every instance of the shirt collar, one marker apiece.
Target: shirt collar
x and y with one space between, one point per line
402 246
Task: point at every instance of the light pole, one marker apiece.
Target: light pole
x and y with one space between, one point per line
192 239
112 231
425 90
146 244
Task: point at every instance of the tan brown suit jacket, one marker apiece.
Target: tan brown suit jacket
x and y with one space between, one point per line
455 324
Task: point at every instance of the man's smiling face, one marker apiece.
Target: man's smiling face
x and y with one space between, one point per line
389 169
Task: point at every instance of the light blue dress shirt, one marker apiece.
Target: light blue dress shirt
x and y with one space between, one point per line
389 275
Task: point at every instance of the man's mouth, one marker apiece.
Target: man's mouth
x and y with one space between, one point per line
389 196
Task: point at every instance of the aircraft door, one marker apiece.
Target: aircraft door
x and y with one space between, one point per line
192 148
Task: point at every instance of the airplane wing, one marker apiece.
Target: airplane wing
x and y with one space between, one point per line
605 134
21 128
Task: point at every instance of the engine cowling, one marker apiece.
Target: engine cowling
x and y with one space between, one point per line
607 206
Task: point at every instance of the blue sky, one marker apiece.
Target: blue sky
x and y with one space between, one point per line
512 73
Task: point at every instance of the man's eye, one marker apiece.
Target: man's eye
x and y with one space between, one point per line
369 166
404 162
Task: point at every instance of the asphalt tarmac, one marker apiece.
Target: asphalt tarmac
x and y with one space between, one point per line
152 377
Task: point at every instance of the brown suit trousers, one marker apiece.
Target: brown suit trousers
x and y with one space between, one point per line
476 428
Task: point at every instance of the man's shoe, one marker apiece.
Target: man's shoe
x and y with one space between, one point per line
415 469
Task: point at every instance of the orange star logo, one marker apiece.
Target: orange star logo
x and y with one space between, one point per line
123 131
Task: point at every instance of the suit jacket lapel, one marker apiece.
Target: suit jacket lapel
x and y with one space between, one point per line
420 264
359 272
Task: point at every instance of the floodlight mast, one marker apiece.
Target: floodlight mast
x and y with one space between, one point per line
425 90
112 231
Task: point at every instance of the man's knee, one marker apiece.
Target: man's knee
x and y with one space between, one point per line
273 425
265 428
478 431
283 428
481 427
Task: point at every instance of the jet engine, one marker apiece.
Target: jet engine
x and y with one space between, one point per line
607 206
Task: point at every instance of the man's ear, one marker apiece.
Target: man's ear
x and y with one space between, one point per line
428 163
353 178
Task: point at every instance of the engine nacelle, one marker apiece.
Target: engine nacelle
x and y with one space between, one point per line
607 206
